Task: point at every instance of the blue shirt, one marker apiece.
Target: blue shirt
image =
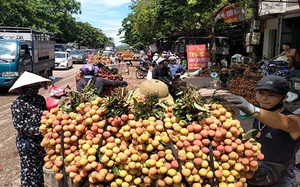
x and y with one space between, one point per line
176 68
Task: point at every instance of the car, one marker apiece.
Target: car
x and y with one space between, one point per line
78 56
59 47
63 60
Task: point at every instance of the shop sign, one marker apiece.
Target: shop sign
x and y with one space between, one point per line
197 56
231 13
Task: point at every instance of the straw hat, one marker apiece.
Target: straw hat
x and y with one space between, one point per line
224 70
153 86
27 78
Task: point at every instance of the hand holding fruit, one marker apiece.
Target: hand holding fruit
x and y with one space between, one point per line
240 103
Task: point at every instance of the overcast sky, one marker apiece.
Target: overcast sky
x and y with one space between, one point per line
105 14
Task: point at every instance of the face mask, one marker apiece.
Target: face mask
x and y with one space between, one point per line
33 90
277 106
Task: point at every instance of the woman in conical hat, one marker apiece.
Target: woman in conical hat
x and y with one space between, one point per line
27 110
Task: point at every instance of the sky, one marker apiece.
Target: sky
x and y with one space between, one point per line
106 15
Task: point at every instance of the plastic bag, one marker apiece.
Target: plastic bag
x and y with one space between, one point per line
149 75
291 97
268 173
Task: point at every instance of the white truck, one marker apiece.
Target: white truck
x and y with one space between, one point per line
24 49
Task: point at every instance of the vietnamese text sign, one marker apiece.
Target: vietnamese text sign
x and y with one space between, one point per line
197 56
231 13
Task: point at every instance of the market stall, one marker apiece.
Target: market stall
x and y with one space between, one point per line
148 140
243 83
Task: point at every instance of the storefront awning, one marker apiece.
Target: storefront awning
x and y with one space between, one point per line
291 14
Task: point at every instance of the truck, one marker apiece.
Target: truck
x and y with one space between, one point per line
25 49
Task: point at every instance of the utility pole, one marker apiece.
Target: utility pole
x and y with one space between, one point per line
213 37
255 13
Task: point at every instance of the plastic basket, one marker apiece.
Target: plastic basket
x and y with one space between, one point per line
49 178
50 181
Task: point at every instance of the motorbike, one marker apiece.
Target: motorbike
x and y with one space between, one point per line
56 93
276 67
142 70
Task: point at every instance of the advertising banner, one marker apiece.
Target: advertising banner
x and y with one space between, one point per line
197 56
231 13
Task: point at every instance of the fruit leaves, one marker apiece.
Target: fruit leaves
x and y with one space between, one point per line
149 107
190 105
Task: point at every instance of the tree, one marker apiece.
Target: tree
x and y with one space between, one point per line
52 16
90 36
158 20
17 13
47 15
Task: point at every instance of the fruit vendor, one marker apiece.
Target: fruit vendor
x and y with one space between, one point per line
277 129
224 77
89 71
27 110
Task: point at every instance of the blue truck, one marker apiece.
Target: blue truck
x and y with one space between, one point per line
25 49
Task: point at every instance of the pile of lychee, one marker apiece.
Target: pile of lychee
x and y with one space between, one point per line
146 152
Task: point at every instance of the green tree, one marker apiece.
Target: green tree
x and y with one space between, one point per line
53 16
17 13
90 36
158 20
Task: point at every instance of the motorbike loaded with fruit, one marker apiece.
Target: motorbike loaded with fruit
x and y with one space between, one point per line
127 140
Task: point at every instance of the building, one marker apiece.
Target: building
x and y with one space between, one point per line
280 22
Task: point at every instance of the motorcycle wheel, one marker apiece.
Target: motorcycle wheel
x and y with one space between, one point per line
139 74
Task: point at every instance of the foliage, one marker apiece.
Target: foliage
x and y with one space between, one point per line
123 47
118 104
158 20
149 107
74 98
190 106
90 36
53 16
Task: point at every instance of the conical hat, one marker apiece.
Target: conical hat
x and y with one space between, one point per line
27 78
153 86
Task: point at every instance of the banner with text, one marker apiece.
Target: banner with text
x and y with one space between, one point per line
197 56
231 13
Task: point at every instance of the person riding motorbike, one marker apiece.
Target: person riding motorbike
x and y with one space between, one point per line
176 69
89 71
161 71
